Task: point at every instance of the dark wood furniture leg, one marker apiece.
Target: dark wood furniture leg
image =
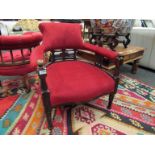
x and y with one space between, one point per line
135 66
116 76
54 113
111 97
127 42
47 108
45 93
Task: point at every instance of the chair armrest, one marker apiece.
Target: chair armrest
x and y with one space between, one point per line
37 54
101 51
113 56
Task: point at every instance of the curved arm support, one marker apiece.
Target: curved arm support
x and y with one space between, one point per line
101 51
37 54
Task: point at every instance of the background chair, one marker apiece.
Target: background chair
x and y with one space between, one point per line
15 53
69 81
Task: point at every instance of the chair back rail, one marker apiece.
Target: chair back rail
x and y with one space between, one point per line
12 58
62 55
1 56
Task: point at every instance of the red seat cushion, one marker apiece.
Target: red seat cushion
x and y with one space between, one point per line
75 81
16 55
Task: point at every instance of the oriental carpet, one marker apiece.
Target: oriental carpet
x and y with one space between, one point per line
132 113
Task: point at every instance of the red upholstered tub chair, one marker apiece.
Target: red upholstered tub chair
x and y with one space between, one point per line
66 80
15 51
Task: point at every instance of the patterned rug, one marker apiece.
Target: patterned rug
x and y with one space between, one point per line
133 112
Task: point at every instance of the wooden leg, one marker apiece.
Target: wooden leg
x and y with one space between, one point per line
47 108
49 120
26 83
135 67
54 113
45 93
111 97
126 43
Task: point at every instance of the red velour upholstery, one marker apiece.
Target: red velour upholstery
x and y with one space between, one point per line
17 70
100 50
70 82
75 81
37 53
16 55
20 41
67 35
61 35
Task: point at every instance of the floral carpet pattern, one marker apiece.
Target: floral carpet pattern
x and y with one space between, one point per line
132 113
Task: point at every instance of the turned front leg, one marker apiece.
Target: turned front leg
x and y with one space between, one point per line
135 66
45 93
